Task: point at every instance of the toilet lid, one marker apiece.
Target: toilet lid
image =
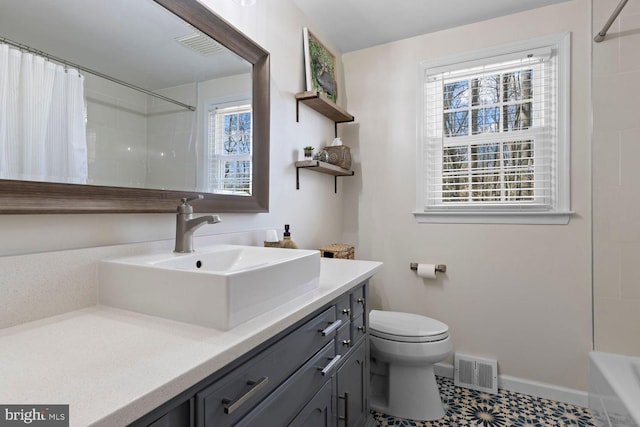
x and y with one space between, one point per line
406 327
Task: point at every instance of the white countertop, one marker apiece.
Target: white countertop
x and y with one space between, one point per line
113 366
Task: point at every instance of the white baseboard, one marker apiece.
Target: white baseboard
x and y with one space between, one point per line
443 370
532 388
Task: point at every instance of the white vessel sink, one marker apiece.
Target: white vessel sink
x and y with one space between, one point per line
218 286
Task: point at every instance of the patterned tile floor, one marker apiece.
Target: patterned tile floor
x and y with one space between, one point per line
470 408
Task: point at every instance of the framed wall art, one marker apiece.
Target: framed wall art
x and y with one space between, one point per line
319 66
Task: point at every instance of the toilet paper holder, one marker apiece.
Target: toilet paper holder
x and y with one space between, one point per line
441 268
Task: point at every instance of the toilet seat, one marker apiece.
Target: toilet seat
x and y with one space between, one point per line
406 327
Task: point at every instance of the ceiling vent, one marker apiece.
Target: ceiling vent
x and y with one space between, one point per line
200 43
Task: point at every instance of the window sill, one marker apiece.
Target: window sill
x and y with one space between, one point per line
475 217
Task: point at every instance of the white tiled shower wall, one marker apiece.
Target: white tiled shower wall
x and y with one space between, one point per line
116 133
616 174
135 140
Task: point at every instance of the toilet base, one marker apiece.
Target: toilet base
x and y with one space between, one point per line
412 394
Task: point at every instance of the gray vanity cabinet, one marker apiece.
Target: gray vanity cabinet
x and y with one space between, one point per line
313 374
352 388
227 400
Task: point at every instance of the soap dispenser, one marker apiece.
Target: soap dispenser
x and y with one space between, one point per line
286 239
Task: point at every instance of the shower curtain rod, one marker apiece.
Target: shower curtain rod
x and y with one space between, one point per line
95 73
600 36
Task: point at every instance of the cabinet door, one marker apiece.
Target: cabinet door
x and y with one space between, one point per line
352 388
319 411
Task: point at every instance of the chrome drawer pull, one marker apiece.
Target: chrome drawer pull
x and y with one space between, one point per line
257 385
324 371
362 329
346 311
347 343
332 327
360 300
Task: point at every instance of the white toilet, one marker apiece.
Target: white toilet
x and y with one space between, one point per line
404 348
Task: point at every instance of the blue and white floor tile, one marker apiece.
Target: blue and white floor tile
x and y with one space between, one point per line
470 408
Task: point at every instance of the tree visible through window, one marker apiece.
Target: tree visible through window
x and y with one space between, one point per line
230 149
489 171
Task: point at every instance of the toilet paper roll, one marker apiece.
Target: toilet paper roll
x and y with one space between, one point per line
428 271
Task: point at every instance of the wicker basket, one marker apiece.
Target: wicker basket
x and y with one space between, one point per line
272 244
338 250
339 155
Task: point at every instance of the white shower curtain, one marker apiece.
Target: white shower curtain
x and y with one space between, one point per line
42 119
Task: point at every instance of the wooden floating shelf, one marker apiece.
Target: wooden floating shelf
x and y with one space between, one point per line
322 167
324 106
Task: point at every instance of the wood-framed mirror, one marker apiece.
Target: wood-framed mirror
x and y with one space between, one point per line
24 196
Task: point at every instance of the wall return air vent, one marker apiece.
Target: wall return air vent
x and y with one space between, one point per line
476 373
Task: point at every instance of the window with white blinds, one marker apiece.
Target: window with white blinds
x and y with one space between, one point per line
229 149
494 134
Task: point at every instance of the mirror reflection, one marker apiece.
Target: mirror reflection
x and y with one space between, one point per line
121 93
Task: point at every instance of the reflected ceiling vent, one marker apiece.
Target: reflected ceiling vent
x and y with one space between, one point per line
200 43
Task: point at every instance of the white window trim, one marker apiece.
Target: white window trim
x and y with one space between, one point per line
561 44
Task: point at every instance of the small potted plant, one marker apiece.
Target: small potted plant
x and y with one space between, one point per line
308 151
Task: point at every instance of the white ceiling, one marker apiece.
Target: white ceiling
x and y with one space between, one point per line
357 24
122 37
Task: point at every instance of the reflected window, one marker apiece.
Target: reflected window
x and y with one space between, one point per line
229 137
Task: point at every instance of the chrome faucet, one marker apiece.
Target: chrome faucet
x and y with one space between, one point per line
186 224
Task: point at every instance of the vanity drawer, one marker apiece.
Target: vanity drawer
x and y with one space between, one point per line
343 307
358 301
343 339
283 405
182 416
358 329
230 398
